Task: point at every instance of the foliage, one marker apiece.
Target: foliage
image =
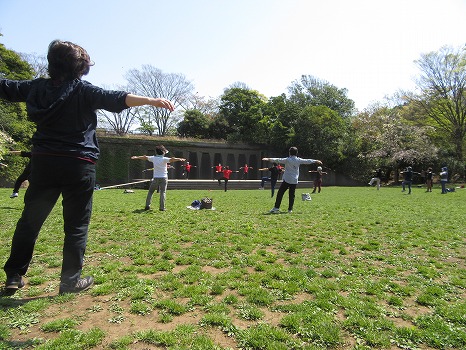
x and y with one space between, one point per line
386 139
15 128
442 96
310 91
319 132
195 124
242 109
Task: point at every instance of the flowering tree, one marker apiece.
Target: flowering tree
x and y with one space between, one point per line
388 140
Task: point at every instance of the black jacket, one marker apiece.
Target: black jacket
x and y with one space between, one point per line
65 114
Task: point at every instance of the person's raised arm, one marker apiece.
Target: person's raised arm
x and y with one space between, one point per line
136 100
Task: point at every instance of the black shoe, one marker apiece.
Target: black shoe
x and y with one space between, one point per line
147 207
14 282
81 285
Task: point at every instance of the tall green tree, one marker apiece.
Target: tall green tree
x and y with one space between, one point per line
319 134
442 97
194 124
311 91
242 109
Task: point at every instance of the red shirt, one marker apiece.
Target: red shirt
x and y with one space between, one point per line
218 168
226 173
188 167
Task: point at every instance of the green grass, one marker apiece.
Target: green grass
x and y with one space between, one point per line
355 268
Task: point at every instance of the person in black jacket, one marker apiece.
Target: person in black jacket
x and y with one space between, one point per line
65 151
24 175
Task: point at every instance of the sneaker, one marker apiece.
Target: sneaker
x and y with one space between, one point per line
290 211
81 285
261 188
14 195
14 282
147 207
274 210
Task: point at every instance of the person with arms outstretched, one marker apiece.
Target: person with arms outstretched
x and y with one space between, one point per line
290 177
64 155
159 180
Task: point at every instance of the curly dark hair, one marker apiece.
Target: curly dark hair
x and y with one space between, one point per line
67 61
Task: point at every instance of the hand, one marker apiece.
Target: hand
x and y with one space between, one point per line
164 103
318 162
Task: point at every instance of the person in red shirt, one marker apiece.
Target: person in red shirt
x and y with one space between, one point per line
217 169
226 176
245 171
187 169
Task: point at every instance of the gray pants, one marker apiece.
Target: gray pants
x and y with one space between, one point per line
161 183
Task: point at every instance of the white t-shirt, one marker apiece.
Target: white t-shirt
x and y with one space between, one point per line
160 166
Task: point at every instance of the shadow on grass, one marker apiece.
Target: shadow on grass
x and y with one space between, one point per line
8 303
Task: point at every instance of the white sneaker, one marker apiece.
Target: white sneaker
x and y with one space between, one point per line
14 195
261 188
274 210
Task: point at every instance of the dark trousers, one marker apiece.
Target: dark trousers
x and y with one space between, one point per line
226 182
273 182
291 194
23 177
51 177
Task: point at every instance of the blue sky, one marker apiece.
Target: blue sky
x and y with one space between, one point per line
365 46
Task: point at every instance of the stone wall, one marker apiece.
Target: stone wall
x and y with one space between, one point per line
116 167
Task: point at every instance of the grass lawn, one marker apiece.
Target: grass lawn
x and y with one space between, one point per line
355 268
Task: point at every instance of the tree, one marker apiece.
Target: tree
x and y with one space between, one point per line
310 91
319 132
387 140
15 128
442 96
195 124
242 109
151 81
119 122
38 63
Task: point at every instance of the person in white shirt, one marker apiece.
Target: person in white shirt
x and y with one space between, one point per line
160 174
290 177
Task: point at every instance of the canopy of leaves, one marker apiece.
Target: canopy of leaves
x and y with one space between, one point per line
242 109
310 91
195 124
442 96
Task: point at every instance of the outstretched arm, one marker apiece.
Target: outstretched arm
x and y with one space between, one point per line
174 159
140 157
136 100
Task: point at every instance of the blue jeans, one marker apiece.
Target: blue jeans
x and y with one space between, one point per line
51 176
444 186
406 182
273 182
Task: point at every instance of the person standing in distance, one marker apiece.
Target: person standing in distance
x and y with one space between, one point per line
160 175
64 153
290 177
